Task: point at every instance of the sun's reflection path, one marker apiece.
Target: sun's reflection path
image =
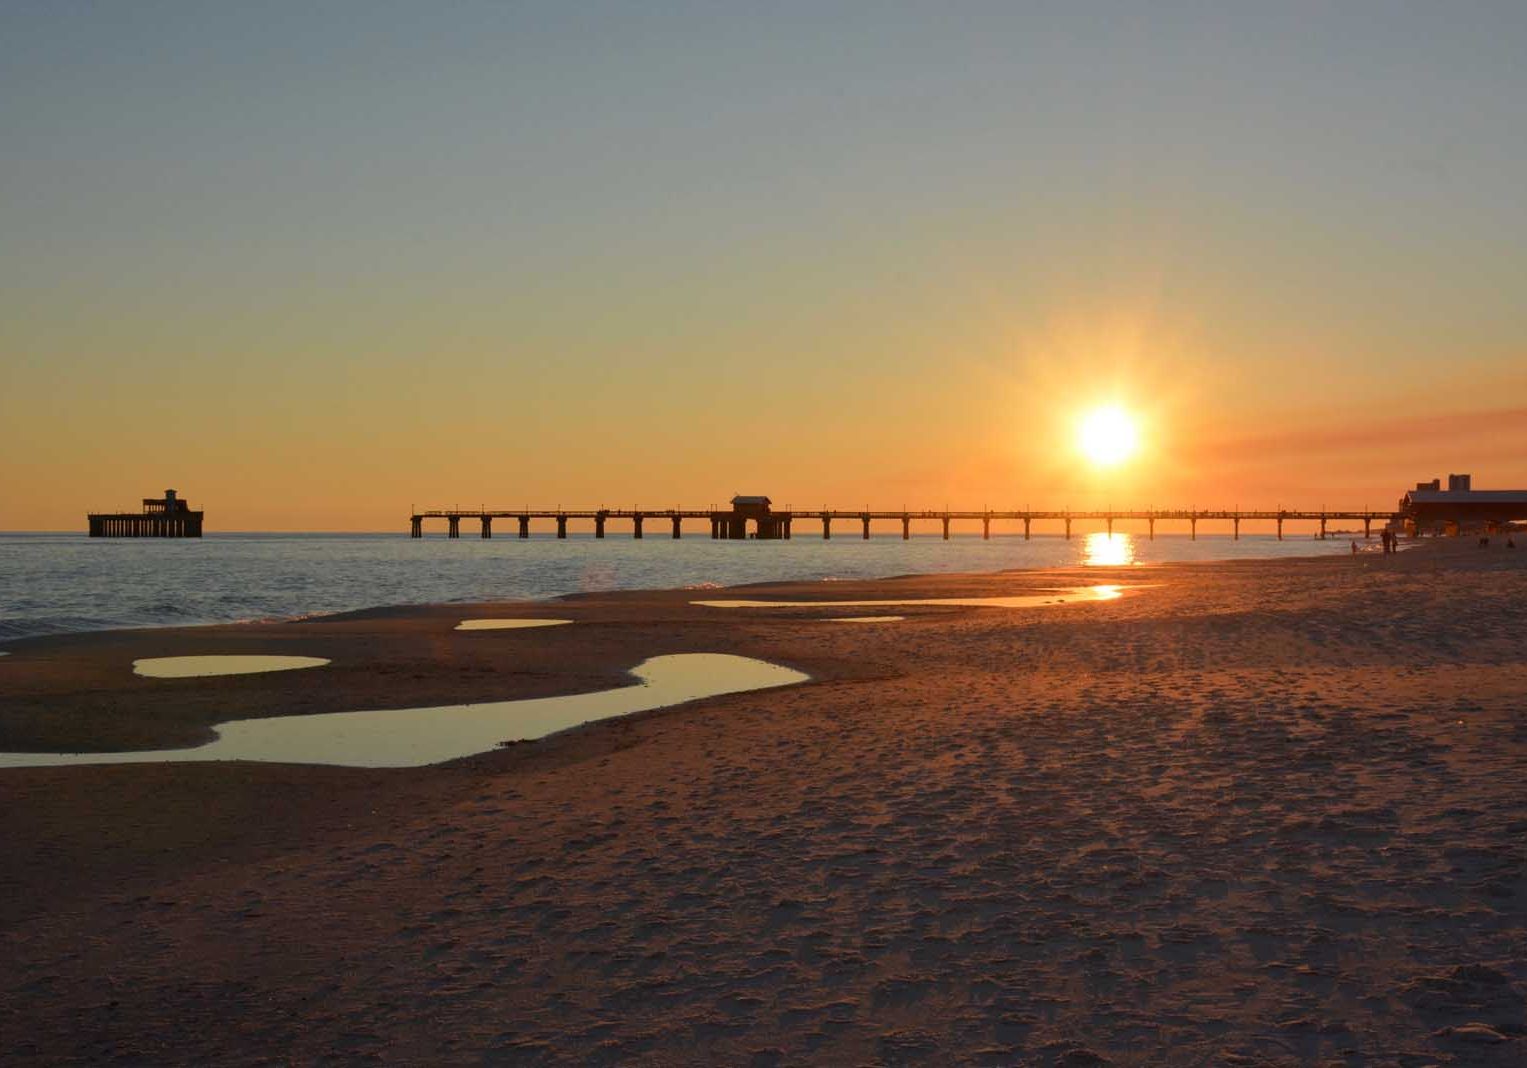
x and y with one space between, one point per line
1108 550
1067 595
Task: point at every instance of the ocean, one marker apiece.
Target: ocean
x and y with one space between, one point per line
61 583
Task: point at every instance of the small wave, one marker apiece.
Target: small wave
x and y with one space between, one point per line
170 609
36 626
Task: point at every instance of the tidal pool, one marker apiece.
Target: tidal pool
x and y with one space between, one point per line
509 624
410 737
189 667
864 619
1063 596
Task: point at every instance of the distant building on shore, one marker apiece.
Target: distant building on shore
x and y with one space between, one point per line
161 517
755 507
1431 509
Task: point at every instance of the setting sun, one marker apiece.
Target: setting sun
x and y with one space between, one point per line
1107 436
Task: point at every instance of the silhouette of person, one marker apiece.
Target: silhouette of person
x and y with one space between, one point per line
1354 547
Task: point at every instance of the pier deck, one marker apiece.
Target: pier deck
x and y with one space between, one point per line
731 524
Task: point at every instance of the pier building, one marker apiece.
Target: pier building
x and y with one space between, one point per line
161 517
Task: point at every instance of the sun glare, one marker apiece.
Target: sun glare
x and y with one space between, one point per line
1107 436
1108 550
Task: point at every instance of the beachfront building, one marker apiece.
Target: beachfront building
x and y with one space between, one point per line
161 517
1430 509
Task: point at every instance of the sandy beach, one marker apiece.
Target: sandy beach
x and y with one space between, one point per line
1255 813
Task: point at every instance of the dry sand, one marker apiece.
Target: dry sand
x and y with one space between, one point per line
1262 813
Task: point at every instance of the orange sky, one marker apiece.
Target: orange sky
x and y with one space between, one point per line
971 428
313 280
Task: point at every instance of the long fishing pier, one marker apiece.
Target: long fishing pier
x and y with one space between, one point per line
754 518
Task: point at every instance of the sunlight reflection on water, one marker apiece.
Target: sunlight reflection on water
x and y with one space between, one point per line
1109 550
1027 600
509 624
188 667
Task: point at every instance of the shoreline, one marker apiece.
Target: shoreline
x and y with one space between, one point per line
1261 810
68 673
47 624
315 634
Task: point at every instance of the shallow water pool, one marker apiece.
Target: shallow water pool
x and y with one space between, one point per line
410 737
189 667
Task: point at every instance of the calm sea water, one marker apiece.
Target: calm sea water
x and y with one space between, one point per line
54 583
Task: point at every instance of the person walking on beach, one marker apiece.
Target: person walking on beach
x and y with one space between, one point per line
1354 546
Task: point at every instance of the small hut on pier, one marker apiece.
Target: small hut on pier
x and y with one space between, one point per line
755 508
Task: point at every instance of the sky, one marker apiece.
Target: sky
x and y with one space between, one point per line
318 265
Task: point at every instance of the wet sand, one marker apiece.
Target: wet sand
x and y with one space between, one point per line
1260 813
